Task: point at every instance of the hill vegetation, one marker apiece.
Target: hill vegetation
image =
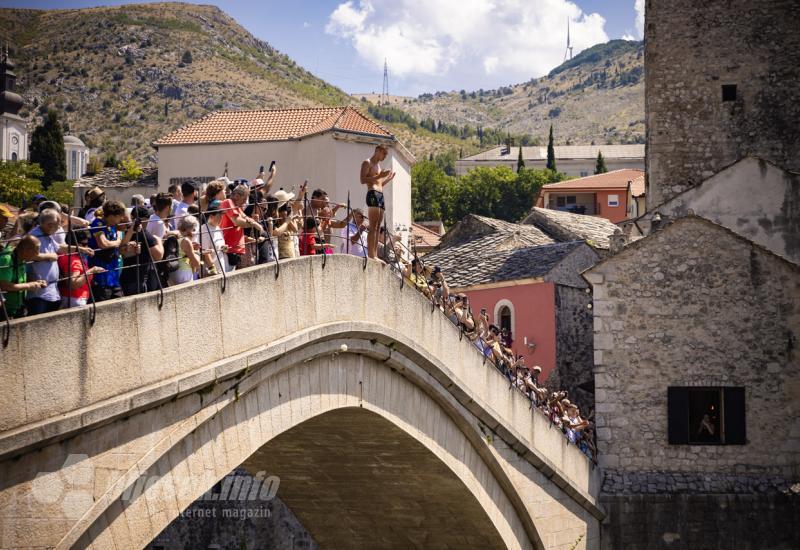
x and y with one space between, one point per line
120 77
595 97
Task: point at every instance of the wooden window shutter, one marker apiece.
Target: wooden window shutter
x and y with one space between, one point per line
734 410
678 416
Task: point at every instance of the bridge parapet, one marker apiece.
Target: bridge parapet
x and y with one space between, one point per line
61 376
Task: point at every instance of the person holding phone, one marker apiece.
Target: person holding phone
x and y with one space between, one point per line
138 271
375 179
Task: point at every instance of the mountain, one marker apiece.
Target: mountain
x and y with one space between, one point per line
597 96
120 77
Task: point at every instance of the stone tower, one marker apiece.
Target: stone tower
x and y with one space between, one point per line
722 82
13 130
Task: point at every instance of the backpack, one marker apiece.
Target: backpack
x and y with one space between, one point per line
169 262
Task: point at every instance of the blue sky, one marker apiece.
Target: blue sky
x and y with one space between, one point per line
430 44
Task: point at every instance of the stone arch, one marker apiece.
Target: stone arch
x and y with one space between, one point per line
273 400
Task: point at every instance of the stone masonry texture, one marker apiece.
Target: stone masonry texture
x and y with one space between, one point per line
700 522
695 305
692 49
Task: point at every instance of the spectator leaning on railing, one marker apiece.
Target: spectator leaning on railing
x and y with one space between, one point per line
13 276
106 240
74 270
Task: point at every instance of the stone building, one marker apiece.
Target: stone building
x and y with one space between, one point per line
697 385
573 160
696 322
528 281
721 84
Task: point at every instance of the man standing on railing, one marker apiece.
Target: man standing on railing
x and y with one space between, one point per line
375 179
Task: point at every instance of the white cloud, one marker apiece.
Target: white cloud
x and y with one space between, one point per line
638 5
629 36
466 41
306 24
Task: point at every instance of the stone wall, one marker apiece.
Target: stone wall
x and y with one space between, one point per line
707 522
574 346
696 305
693 48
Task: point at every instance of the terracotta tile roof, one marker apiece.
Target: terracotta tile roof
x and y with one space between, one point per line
424 238
616 179
637 186
565 226
271 125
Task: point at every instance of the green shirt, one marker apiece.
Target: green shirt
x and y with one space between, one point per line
12 271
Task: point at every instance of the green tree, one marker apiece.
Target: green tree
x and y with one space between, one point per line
61 192
600 167
520 162
431 192
551 152
47 150
19 181
130 169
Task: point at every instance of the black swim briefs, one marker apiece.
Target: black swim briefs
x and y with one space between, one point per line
375 199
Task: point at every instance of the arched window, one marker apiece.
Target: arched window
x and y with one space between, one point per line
504 315
14 156
505 318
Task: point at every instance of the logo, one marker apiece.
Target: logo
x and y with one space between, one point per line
71 486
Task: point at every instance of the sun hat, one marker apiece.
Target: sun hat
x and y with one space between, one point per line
283 197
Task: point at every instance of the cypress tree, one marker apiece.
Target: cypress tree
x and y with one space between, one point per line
551 152
47 150
600 167
520 162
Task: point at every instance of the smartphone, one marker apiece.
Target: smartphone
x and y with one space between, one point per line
261 168
483 311
271 165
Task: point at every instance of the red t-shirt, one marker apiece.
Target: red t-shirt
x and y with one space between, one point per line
233 235
308 243
78 264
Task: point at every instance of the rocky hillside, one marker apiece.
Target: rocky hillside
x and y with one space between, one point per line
120 77
598 96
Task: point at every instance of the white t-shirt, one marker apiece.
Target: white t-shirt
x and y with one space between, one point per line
356 249
155 226
180 210
218 242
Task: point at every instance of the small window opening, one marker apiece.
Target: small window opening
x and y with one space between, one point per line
729 92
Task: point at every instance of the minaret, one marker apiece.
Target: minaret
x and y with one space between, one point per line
10 101
13 129
568 53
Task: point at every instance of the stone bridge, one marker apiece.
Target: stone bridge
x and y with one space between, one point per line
385 428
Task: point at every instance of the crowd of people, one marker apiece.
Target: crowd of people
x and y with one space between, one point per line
495 344
53 258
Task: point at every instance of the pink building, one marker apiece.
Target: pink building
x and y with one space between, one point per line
529 283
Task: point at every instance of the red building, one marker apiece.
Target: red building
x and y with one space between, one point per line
529 282
606 195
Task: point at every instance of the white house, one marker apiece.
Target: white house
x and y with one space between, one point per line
77 157
573 160
322 145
